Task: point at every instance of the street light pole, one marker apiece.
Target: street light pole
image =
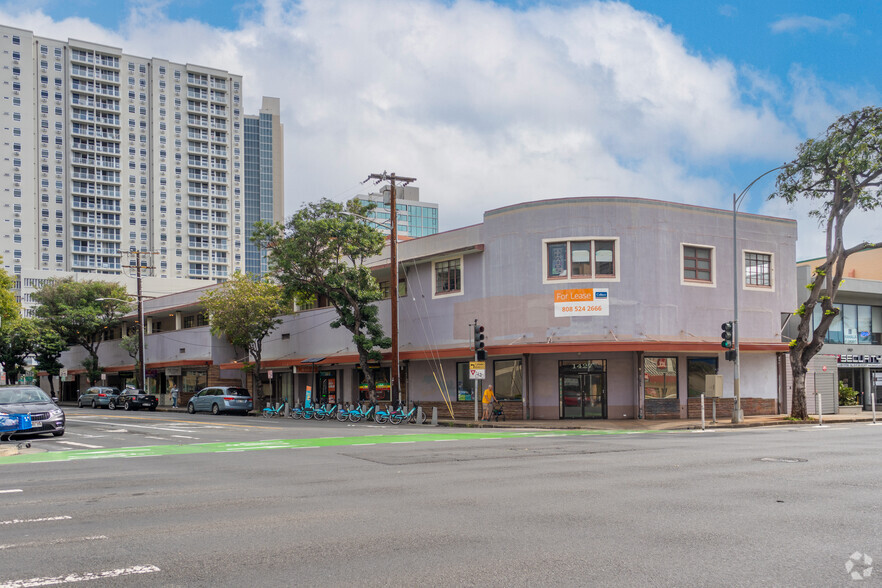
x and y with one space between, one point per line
737 412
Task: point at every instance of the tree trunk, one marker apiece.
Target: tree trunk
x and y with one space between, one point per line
798 408
255 380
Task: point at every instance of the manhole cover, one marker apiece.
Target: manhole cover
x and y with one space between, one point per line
783 459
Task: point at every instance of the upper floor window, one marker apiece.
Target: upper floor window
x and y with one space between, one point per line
581 259
698 264
448 277
757 269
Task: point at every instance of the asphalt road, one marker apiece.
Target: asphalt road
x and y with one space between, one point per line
178 500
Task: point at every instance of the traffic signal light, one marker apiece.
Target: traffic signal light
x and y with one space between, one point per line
480 354
727 335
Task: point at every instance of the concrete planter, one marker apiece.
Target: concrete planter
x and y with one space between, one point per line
857 409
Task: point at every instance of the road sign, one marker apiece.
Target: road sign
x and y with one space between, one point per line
477 369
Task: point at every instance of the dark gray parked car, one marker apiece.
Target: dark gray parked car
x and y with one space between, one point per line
45 415
97 396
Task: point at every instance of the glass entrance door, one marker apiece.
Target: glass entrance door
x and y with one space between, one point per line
582 389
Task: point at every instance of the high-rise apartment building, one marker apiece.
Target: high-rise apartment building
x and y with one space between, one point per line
105 152
263 157
415 218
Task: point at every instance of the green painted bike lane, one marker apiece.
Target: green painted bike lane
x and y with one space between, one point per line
228 447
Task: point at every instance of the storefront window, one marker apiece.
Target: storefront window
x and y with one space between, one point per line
696 369
508 381
193 381
660 374
849 324
381 381
464 386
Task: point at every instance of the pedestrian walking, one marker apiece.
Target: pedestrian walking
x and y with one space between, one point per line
488 400
174 395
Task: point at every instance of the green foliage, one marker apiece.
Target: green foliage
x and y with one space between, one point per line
321 253
835 174
848 396
245 310
9 307
17 339
48 347
72 309
800 311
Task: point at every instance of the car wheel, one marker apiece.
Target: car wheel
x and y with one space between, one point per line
190 408
57 433
94 404
215 409
127 405
111 405
79 404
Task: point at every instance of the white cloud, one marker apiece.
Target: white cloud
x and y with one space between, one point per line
812 24
485 105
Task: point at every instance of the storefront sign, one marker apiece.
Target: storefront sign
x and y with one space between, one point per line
173 371
859 360
581 302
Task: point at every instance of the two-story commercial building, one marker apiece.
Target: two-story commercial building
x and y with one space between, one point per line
592 308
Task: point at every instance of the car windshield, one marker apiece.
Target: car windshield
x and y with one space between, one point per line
237 392
22 395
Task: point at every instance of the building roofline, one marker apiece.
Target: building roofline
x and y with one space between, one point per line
628 200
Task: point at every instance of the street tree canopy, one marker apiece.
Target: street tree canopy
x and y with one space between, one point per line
48 347
9 308
838 173
245 310
72 309
17 338
320 254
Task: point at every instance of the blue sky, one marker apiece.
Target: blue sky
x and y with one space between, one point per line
491 103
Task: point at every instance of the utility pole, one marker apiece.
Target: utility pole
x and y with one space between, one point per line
138 266
393 289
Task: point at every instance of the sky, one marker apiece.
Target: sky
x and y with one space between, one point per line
492 103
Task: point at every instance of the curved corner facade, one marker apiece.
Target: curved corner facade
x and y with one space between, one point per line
591 308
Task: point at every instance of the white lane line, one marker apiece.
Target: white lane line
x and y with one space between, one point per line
11 491
500 438
132 426
183 437
75 444
445 440
54 542
149 437
49 581
401 442
43 520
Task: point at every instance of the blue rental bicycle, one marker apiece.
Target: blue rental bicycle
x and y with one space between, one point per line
279 410
357 414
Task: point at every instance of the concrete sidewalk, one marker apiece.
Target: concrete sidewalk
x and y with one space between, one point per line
661 425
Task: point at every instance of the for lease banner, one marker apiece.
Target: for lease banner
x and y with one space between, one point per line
581 302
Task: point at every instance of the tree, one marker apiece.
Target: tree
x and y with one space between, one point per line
245 310
321 253
131 344
17 338
72 310
9 307
48 347
840 172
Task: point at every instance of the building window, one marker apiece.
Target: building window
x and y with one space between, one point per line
448 277
757 269
660 375
581 259
696 370
465 386
508 379
698 264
